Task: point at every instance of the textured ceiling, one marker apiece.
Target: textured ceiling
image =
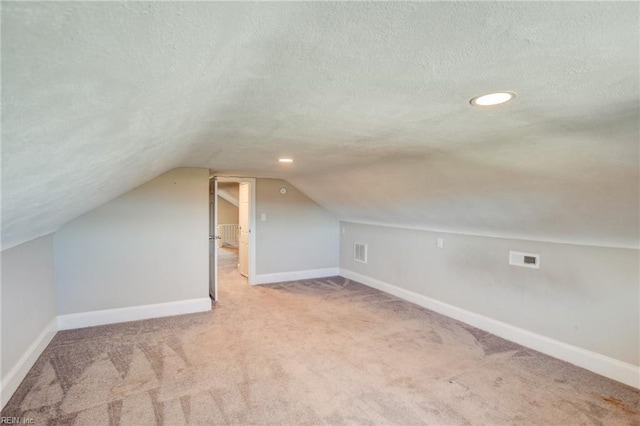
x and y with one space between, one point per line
371 99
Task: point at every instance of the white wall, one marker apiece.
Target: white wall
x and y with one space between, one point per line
298 235
227 212
28 308
583 296
148 246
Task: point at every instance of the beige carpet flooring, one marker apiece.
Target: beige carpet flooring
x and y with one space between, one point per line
325 351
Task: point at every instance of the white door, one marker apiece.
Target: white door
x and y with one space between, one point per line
243 218
213 236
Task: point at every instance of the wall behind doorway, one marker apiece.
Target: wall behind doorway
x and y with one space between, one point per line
227 212
297 235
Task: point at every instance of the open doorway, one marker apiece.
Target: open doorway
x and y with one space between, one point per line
228 227
232 232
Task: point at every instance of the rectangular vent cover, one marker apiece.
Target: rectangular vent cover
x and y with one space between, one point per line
360 252
528 260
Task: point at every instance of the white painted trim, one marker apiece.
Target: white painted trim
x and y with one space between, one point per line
19 371
295 275
133 313
628 374
87 319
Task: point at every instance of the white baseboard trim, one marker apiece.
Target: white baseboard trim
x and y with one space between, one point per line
87 319
133 313
19 371
295 275
600 364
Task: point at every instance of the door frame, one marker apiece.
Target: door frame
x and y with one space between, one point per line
213 239
252 220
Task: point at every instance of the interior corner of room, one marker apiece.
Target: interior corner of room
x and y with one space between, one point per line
314 147
120 262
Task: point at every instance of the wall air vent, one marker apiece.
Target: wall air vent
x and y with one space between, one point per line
360 252
527 260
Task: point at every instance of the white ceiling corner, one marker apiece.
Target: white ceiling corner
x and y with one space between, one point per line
370 99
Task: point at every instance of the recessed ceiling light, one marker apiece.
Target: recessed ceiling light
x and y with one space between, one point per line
285 160
492 99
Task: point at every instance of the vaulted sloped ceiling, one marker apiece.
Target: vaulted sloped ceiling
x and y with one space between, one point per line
370 99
